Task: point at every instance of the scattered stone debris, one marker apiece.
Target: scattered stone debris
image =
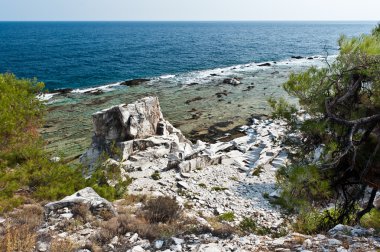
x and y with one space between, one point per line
233 178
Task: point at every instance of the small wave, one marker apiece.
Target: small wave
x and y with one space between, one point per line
167 76
104 88
45 97
207 75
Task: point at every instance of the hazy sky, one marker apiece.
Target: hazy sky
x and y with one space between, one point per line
189 10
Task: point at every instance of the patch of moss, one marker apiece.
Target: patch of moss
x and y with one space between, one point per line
156 175
228 216
218 188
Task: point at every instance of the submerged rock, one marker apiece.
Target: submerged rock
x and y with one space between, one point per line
231 81
264 64
296 57
134 82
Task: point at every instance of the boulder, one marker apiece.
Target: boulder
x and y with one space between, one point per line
86 196
127 122
129 128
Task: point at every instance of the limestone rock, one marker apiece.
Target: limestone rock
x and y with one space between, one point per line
85 196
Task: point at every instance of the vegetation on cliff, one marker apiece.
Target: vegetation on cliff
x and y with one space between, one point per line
338 158
26 172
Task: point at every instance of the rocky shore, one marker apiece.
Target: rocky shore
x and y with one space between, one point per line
201 104
222 190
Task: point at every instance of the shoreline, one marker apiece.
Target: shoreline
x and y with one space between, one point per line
213 72
201 104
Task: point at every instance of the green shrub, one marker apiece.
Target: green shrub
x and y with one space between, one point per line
300 185
203 185
156 175
25 169
372 219
248 225
228 216
257 171
218 188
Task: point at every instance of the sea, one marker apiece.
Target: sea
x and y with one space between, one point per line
87 54
188 65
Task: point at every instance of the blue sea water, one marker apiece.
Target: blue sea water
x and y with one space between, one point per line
84 54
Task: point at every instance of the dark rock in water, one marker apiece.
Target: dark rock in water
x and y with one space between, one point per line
249 88
296 57
264 64
95 92
310 58
223 124
62 90
213 75
134 82
193 99
221 94
232 81
193 84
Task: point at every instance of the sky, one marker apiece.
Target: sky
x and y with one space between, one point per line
198 10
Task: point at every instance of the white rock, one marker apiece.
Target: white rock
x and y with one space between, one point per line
334 242
183 184
178 241
42 246
158 244
134 238
307 244
137 249
211 247
115 240
279 241
67 215
55 159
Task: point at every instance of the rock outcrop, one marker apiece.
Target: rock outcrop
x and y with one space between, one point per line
130 128
86 196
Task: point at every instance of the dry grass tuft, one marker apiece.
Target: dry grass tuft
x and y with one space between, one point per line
60 245
81 212
20 231
162 209
18 238
29 215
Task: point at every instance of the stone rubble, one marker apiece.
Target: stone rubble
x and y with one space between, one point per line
236 176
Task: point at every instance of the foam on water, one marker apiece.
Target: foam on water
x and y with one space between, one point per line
105 88
209 75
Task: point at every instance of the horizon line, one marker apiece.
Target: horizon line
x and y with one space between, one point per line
243 20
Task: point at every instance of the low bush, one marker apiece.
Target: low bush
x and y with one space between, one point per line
248 225
300 184
81 212
18 238
156 175
372 220
162 209
20 232
218 188
228 216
